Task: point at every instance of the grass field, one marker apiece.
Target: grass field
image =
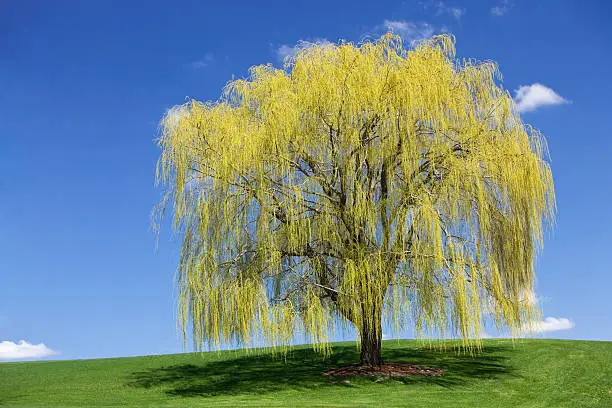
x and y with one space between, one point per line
535 373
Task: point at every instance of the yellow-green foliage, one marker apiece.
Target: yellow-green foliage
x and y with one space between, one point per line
356 180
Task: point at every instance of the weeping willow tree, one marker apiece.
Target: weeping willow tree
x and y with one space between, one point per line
355 184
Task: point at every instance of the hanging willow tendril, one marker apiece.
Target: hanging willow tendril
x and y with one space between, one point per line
358 182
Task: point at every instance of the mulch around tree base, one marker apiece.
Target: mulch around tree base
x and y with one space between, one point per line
386 370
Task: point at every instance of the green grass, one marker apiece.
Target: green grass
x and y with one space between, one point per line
535 373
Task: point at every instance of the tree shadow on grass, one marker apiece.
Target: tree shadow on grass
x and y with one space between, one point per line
303 370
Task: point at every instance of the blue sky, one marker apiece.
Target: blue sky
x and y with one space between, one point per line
83 85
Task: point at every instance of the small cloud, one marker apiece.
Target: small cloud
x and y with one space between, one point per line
286 50
440 7
531 97
455 12
549 324
502 8
411 32
23 349
198 64
202 62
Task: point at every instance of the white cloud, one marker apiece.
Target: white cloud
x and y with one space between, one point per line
455 12
203 62
23 349
502 8
531 97
286 50
440 7
548 325
410 31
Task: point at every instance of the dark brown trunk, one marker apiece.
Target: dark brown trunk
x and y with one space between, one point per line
370 349
371 341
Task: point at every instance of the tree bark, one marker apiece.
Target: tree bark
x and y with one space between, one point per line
371 340
370 349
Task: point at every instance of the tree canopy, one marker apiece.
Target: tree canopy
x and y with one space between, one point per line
356 182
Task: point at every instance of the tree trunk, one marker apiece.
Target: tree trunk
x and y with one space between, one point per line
371 340
370 349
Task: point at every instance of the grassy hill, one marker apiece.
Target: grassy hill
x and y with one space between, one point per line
535 373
